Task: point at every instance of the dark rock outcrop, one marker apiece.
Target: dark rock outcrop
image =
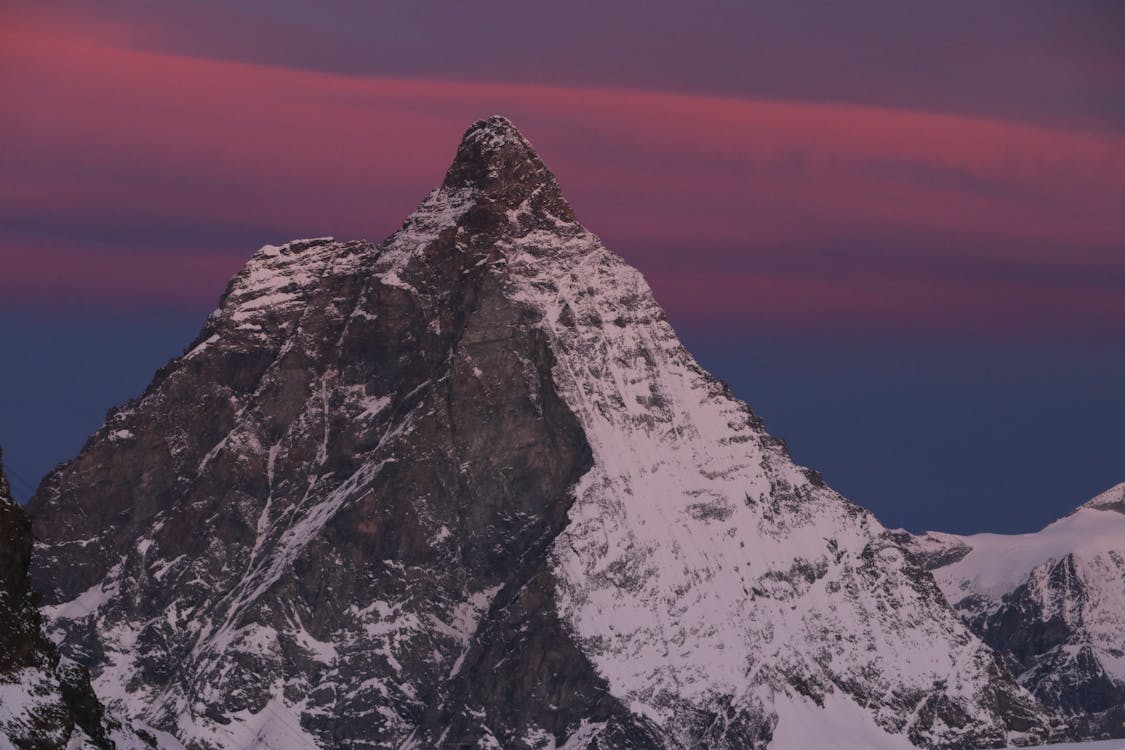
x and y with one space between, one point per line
46 702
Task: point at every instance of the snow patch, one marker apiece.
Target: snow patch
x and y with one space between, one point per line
840 724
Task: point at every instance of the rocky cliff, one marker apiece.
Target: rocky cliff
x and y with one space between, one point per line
465 488
46 702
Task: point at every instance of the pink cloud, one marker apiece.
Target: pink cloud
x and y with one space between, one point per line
50 276
97 131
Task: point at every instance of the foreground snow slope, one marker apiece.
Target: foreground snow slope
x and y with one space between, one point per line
1092 745
466 489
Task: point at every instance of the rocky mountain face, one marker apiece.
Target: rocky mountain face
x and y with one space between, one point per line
465 488
46 702
1052 603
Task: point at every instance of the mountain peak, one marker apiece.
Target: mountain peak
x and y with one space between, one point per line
495 159
494 132
455 473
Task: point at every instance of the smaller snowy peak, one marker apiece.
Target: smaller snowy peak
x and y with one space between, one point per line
993 565
1051 603
495 159
497 195
1111 499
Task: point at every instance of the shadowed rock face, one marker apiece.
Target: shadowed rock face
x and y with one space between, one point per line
348 473
465 488
1040 629
46 702
21 640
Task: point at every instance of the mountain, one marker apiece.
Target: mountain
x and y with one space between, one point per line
46 702
1053 603
465 488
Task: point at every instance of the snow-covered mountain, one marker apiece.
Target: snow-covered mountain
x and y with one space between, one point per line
1053 603
465 488
46 702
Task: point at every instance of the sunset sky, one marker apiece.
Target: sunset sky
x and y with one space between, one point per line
896 229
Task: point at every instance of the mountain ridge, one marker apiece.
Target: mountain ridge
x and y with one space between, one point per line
1051 602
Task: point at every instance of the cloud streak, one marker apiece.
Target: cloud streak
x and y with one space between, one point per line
136 179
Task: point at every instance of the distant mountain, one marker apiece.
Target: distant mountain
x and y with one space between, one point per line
465 488
1053 603
46 702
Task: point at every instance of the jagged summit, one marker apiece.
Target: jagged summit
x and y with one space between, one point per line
497 161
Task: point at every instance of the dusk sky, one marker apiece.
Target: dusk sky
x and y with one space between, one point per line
896 229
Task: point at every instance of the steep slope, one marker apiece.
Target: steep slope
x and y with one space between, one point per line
1053 603
45 702
466 489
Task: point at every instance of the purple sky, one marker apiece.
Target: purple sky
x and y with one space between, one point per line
944 179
